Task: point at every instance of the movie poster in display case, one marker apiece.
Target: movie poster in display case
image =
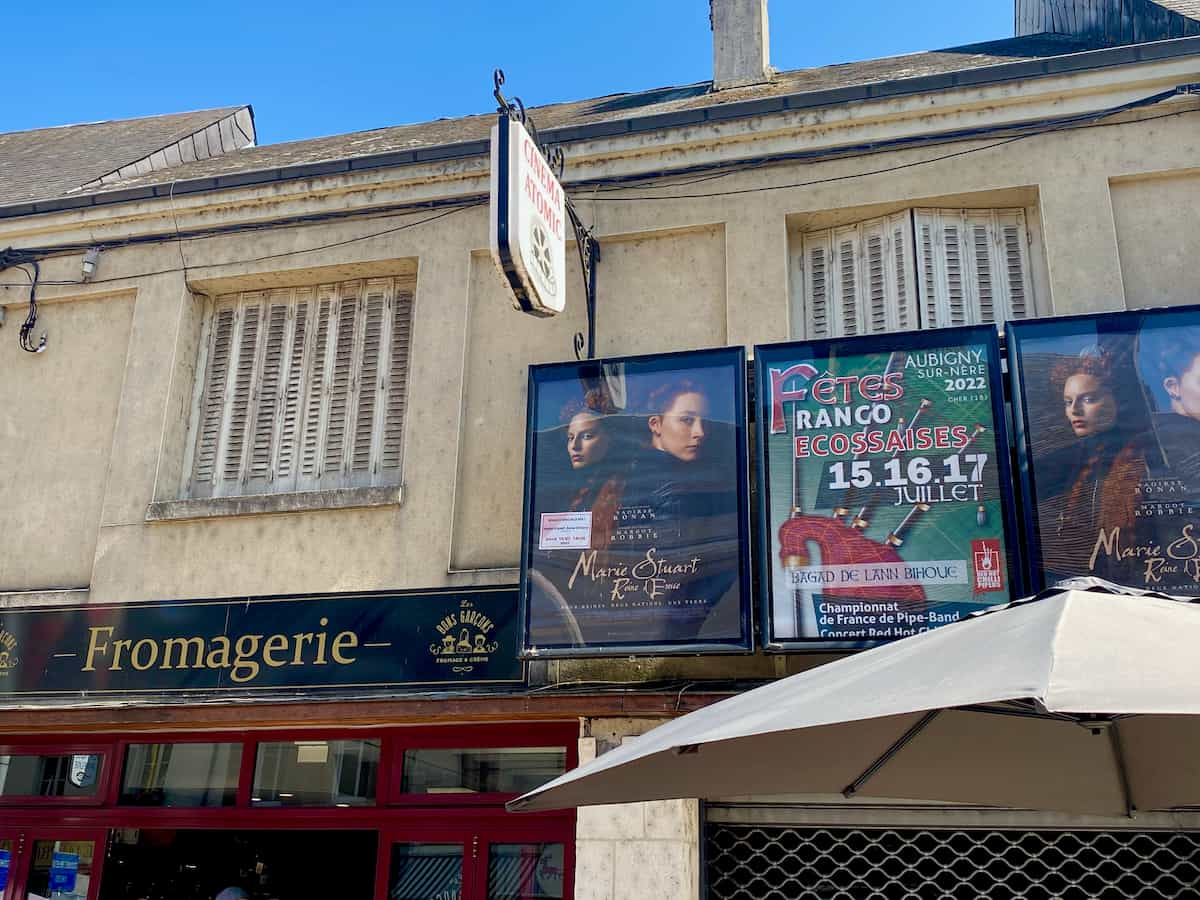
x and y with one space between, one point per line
884 486
636 506
1107 409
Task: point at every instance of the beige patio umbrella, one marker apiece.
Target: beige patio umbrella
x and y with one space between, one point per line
1080 701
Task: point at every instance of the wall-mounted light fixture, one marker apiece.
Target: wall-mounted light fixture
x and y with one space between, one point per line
89 263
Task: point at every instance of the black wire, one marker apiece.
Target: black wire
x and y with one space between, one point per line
31 318
193 268
364 237
381 212
829 180
1084 120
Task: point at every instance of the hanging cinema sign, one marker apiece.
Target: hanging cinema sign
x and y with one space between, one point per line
528 220
883 467
269 645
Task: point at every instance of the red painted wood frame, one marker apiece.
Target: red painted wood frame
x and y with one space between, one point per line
473 821
23 839
11 836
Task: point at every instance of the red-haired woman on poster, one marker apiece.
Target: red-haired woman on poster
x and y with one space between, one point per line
1094 482
596 452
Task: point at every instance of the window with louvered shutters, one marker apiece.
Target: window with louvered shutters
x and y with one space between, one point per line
974 266
858 279
303 389
923 268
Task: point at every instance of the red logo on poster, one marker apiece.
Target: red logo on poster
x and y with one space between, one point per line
989 574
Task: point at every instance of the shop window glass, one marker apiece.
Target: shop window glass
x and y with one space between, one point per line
60 870
426 872
266 864
507 770
6 865
69 775
181 774
525 872
316 773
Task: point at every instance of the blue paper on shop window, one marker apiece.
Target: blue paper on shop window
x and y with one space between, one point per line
64 867
5 864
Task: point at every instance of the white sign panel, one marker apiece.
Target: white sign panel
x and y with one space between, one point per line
528 221
566 531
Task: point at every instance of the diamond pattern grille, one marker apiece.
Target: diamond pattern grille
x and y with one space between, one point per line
787 863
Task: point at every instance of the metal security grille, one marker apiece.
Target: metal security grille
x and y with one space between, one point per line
787 863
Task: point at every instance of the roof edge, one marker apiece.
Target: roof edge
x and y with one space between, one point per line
977 77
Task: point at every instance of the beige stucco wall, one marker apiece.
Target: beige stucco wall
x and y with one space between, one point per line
1158 232
93 431
1110 211
58 413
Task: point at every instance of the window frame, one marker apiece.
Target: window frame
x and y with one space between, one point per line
817 300
122 751
476 837
107 751
476 821
299 392
247 781
484 737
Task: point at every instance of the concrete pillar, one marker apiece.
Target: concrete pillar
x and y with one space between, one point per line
1081 246
741 44
756 274
635 851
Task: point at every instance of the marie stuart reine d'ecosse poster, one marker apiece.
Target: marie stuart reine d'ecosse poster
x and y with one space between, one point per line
1109 421
636 506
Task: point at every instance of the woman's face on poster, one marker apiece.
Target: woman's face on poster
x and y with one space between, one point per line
1184 390
1089 405
679 430
587 440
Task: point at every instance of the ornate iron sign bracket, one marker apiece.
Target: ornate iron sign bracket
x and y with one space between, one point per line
585 238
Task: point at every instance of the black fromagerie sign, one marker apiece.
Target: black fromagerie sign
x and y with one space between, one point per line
391 641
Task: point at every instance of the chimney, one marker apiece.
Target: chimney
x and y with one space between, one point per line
741 47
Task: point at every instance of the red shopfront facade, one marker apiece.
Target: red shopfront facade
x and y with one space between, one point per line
279 811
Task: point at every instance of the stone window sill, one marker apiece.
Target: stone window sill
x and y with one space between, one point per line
273 504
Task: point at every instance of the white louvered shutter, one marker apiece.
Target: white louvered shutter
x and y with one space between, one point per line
365 433
341 385
817 251
903 276
290 420
313 433
210 415
858 278
399 330
847 282
268 394
302 389
974 266
1014 280
235 438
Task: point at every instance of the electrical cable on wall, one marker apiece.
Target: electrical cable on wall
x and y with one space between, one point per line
703 172
1024 131
19 259
26 339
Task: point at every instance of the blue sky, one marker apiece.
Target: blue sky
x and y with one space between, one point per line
311 69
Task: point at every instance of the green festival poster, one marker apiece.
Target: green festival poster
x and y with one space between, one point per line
884 486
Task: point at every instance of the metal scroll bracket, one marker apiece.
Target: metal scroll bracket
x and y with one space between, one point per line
585 238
